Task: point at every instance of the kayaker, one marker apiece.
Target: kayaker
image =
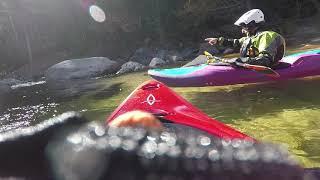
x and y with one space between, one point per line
258 47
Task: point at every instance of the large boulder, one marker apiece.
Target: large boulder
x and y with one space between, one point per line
81 69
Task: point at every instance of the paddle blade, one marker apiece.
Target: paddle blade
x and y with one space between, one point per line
156 98
266 70
261 69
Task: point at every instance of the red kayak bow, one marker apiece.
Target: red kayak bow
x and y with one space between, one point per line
156 98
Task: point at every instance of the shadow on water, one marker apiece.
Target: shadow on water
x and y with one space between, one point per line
107 92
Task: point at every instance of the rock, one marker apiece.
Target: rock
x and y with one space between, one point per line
130 67
85 68
143 56
157 62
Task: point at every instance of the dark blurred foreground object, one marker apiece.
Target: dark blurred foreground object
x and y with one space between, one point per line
66 148
22 150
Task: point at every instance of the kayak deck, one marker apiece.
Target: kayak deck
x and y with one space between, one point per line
156 98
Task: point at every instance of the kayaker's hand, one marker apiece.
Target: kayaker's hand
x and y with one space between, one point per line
212 41
137 119
211 60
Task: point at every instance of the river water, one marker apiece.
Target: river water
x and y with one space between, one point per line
284 112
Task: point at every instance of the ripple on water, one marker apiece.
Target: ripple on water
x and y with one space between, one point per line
23 116
27 84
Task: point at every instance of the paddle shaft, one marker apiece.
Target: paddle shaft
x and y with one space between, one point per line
262 69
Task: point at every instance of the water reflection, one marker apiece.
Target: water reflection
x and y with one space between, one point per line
238 102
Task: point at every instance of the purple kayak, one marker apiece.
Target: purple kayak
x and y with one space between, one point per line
290 67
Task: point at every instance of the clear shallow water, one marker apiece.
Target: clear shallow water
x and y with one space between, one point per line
285 112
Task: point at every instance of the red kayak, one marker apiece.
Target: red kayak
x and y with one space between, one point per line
156 98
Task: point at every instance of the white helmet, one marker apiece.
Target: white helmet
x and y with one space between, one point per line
252 15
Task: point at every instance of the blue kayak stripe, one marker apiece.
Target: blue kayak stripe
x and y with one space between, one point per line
315 51
180 71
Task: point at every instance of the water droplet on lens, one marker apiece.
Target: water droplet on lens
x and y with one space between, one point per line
214 155
129 145
99 131
74 139
115 142
204 141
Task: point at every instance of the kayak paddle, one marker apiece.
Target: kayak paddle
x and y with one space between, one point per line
262 69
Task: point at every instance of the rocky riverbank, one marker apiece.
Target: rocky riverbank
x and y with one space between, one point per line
56 71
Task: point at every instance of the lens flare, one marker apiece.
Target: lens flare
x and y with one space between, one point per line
97 13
